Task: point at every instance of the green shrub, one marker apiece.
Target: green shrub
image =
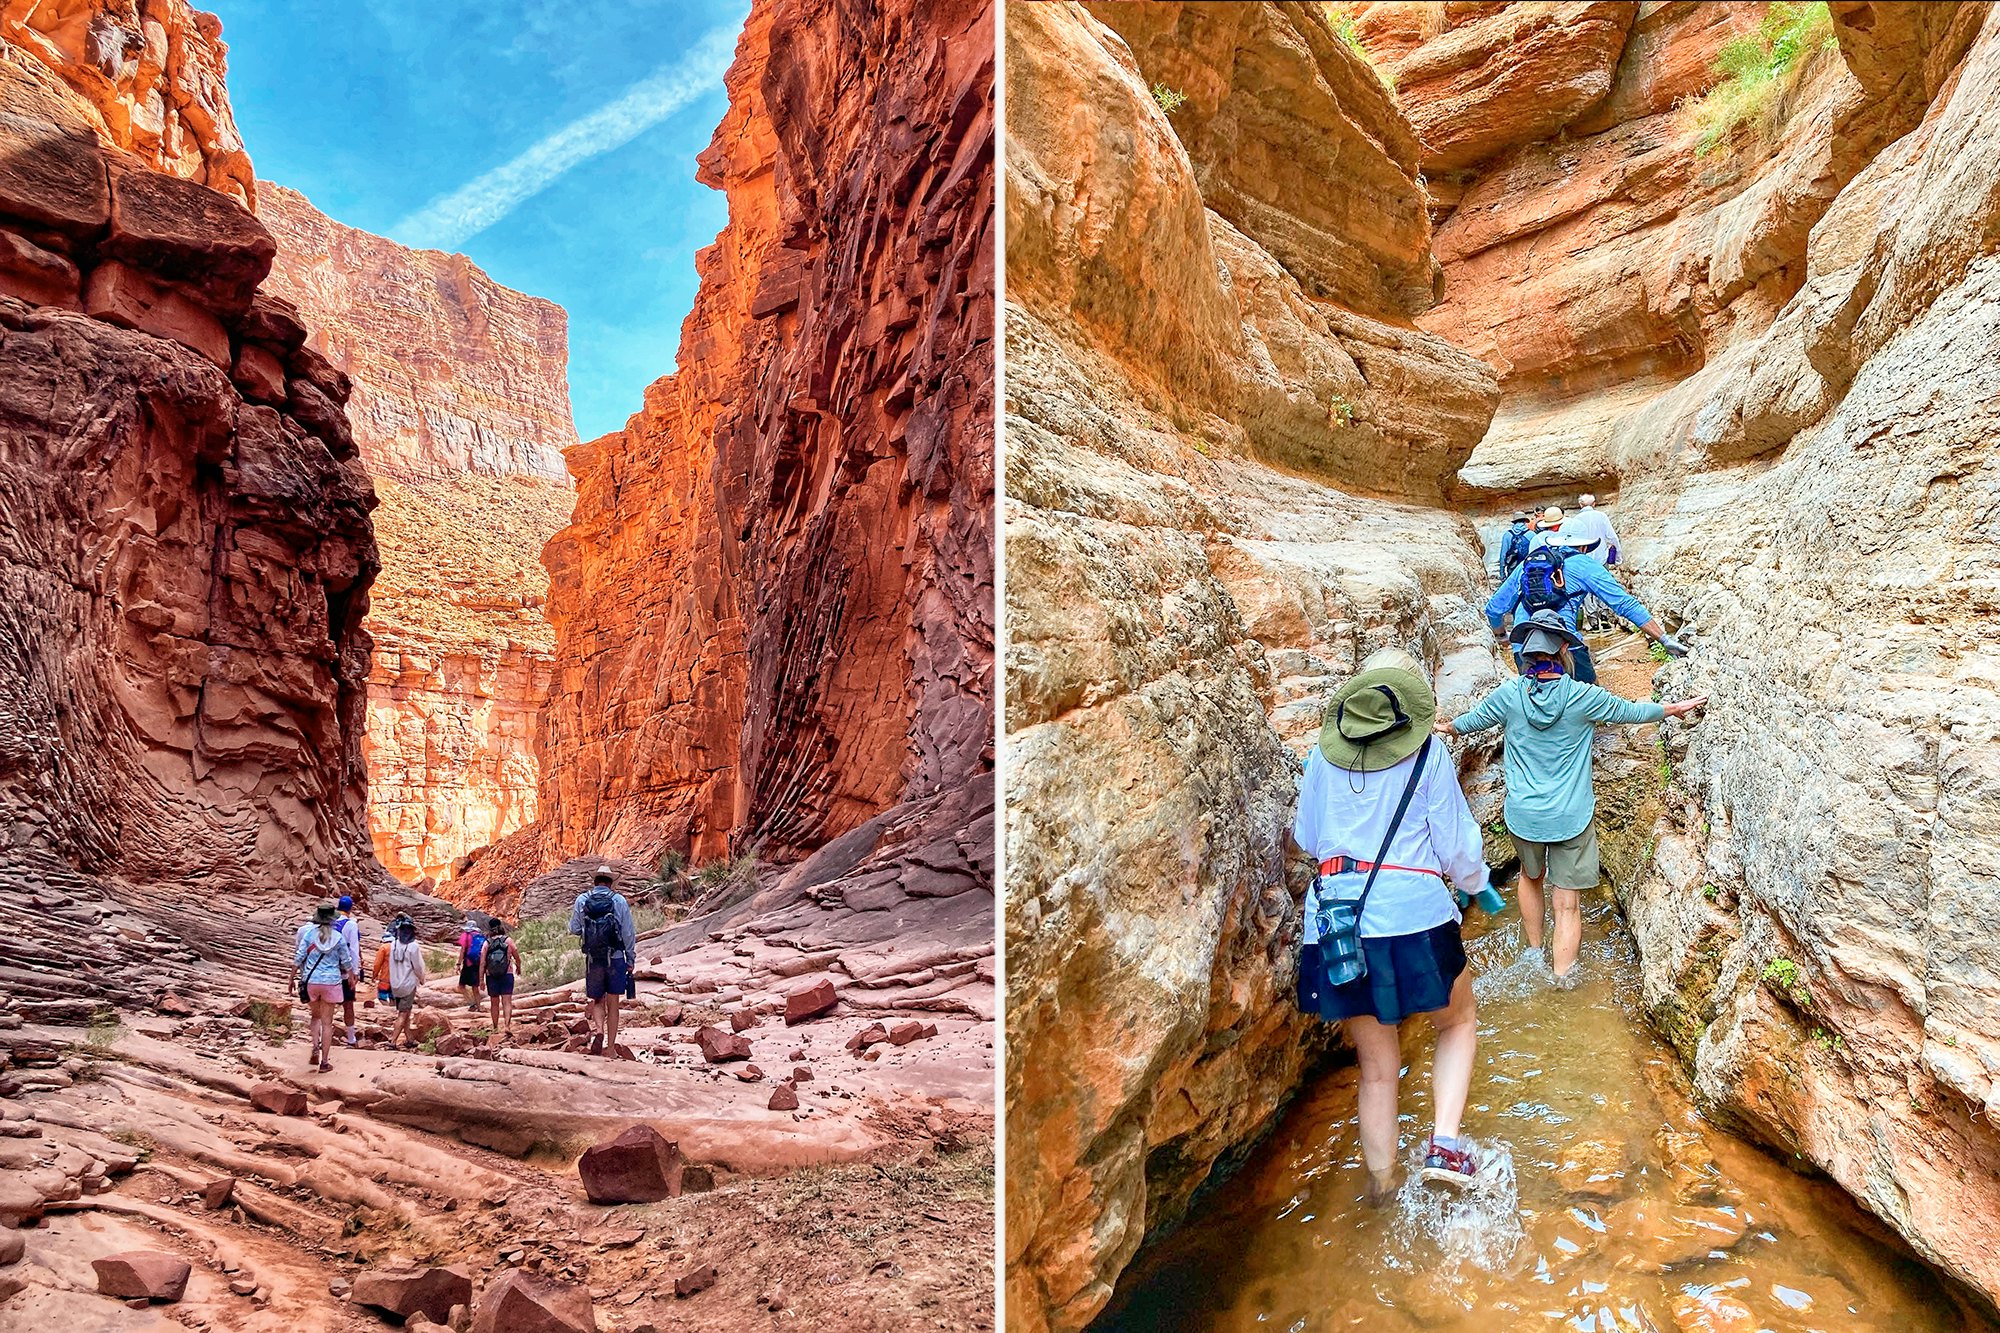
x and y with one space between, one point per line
1759 71
1343 409
1783 973
1343 28
1710 892
1170 100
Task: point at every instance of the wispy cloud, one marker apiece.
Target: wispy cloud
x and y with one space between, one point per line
448 221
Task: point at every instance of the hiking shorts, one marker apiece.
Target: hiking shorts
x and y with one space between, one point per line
323 992
499 986
1569 864
609 975
405 1003
469 975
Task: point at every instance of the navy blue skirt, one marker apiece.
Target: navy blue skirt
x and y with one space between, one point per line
1407 974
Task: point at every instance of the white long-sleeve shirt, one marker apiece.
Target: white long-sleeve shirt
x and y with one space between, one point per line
1590 528
1437 832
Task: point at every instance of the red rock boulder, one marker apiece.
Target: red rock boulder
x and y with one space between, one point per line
810 1003
519 1301
277 1099
700 1279
429 1292
638 1166
142 1275
718 1046
784 1098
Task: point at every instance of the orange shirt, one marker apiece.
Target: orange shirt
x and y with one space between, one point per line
382 966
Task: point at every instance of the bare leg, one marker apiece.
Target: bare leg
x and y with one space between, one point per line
493 1010
1529 891
1457 1027
1379 1050
507 1013
347 1017
610 1021
1569 929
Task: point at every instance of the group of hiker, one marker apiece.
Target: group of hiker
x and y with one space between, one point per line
1399 854
326 968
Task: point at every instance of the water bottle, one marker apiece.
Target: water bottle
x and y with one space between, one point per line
1488 898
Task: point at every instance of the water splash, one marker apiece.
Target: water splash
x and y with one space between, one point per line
1451 1230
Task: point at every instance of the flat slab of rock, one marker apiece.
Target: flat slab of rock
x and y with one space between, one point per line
278 1099
639 1166
142 1275
701 1279
519 1301
430 1292
810 1003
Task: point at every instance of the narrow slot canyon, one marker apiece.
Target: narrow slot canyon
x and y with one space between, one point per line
1304 302
312 590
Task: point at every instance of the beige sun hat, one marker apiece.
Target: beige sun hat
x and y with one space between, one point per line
1553 514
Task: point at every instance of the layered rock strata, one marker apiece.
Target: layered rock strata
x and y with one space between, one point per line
773 607
1790 401
185 533
1178 605
149 79
461 411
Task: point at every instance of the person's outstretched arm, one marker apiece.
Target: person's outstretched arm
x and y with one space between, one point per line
1504 599
1582 572
1488 712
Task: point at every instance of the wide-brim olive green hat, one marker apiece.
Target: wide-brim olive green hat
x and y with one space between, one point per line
1376 720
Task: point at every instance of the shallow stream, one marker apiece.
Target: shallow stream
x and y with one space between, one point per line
1605 1202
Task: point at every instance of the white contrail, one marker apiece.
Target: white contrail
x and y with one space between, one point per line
448 221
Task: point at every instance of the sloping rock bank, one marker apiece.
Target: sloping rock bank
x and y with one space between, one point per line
1196 401
1792 404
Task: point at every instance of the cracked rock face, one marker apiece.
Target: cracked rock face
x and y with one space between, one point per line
773 607
1177 605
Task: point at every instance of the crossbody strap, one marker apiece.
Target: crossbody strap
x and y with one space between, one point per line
1395 822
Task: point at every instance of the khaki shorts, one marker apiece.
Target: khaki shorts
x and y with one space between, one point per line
1571 864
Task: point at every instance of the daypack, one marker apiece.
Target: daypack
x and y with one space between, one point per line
1513 550
600 923
496 962
474 945
1542 587
403 968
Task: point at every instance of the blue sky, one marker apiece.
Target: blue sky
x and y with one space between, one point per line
552 142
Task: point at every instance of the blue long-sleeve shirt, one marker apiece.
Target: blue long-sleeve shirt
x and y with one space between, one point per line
328 964
1581 574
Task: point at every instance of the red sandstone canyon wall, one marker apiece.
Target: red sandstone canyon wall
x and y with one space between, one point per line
184 532
461 413
773 608
149 78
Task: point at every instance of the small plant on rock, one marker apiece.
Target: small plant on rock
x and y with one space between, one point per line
1761 70
1710 892
1169 100
1342 409
1783 974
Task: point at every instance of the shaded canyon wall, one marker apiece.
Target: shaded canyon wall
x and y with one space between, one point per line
461 413
184 534
1224 436
1779 354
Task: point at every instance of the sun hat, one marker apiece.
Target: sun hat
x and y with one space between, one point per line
1553 514
323 913
603 875
1380 717
1544 633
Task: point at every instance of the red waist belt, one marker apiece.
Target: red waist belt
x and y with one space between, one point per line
1344 865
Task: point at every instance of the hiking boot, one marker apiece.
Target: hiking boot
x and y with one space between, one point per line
1450 1166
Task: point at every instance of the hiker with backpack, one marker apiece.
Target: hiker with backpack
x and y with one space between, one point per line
399 974
1382 816
344 920
1589 531
471 945
502 960
1556 578
602 922
1551 717
1514 544
322 960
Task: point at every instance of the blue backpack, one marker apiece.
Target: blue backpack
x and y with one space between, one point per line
1513 550
1542 586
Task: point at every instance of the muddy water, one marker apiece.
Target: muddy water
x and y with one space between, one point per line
1605 1203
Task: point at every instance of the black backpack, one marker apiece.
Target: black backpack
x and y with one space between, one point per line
1513 550
1542 586
600 923
496 959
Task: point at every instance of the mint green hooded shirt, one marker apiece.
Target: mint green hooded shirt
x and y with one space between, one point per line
1550 725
